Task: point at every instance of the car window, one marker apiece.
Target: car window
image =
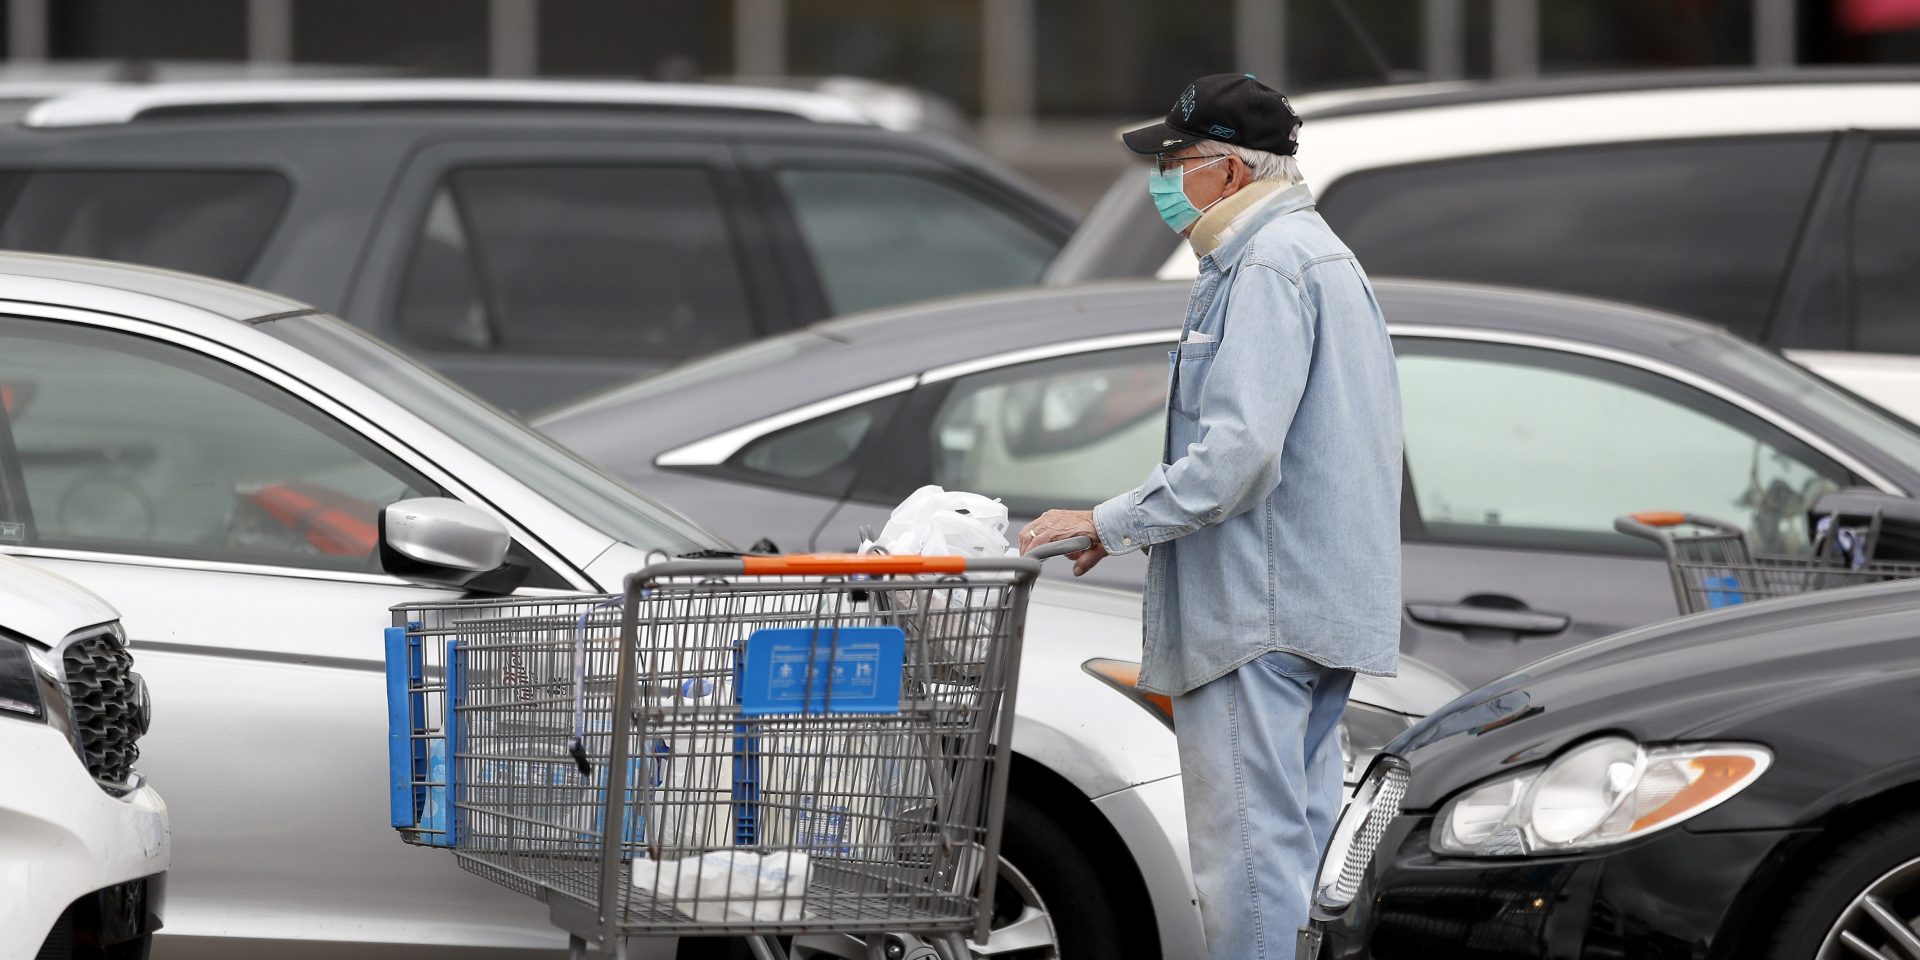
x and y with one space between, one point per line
551 472
817 456
129 445
1530 447
1884 249
594 261
884 237
1065 432
210 223
1701 228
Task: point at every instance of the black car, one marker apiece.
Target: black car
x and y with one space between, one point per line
1741 783
532 240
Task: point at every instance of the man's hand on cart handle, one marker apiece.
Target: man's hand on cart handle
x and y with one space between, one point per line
1057 525
1060 548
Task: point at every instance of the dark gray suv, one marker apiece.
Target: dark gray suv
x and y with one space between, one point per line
532 240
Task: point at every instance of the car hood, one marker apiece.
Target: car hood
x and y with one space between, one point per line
1708 676
46 607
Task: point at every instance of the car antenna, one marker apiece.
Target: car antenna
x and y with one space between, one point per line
1365 36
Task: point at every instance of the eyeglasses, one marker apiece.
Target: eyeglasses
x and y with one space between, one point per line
1162 163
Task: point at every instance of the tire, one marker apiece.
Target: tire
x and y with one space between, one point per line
1088 918
1089 921
1882 860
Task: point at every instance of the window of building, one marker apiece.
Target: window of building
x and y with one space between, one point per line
931 45
441 37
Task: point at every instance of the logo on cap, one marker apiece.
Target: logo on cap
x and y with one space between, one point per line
1185 104
1224 133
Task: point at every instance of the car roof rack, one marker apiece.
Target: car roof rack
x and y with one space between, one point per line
1345 103
103 105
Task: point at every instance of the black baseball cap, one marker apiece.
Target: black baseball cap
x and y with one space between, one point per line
1228 107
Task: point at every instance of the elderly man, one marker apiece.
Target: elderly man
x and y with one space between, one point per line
1273 520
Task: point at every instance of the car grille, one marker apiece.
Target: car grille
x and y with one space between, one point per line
105 704
1386 806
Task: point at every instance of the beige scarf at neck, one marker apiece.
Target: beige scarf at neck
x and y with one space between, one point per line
1224 219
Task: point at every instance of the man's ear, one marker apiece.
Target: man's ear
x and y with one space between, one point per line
1238 173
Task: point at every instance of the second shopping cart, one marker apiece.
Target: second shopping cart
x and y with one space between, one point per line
1712 566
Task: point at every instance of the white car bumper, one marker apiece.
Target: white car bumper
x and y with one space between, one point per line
63 838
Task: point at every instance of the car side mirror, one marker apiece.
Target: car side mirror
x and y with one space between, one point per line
441 542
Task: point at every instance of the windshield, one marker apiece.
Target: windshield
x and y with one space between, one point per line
545 467
1889 433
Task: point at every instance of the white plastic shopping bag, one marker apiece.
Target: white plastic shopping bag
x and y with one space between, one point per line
729 885
938 522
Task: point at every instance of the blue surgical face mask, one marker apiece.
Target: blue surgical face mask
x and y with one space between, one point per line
1170 196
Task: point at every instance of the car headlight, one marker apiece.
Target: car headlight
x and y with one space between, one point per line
32 687
20 695
1364 729
1601 792
1357 835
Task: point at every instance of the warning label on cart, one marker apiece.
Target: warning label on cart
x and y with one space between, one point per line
824 670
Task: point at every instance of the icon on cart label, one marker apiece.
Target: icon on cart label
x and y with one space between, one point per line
11 532
826 670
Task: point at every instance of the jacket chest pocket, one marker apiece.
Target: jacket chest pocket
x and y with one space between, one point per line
1192 361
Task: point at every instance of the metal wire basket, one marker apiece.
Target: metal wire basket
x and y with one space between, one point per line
1712 566
754 747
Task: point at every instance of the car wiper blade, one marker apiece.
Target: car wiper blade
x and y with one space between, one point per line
714 555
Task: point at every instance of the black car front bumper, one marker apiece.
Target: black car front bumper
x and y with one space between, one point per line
1673 895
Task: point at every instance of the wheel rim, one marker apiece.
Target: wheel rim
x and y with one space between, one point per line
1021 928
1882 923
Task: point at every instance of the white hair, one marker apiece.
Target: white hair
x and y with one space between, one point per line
1265 166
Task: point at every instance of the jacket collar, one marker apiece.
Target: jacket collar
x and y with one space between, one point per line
1227 255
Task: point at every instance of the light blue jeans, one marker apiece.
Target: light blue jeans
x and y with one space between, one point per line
1260 762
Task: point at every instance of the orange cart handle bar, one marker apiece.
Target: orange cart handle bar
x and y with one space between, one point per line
874 564
831 564
1657 525
1024 569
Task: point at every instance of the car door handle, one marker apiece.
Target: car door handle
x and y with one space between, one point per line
1477 617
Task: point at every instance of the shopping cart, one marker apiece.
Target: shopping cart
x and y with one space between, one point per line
1712 566
755 747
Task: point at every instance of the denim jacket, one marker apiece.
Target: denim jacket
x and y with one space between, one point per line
1274 517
